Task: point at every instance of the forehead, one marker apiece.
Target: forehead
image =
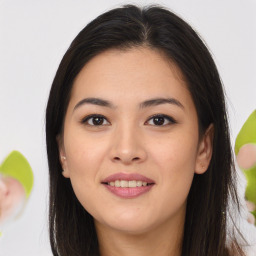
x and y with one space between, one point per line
139 71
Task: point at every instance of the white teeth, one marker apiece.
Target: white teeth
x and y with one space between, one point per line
124 183
127 184
139 183
132 184
117 183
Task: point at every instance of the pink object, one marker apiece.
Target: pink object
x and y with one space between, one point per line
12 198
246 157
128 192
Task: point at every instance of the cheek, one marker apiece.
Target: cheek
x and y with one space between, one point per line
175 153
84 153
85 157
176 161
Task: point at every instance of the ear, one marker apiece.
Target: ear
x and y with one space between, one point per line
62 157
204 153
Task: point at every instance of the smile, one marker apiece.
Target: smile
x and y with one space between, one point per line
128 185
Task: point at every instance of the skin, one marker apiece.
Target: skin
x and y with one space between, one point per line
129 141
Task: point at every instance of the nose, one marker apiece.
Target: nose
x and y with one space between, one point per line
127 146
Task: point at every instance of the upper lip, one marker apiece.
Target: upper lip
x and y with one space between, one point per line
128 177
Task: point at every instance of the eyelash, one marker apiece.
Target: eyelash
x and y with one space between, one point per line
86 119
168 118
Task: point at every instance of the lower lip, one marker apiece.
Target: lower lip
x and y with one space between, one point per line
128 192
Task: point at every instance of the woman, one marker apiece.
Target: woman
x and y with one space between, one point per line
137 140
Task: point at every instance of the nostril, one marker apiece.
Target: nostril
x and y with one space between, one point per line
133 159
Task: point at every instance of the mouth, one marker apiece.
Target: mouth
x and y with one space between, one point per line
128 185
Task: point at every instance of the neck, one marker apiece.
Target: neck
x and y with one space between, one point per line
165 240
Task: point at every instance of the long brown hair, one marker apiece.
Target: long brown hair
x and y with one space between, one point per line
72 230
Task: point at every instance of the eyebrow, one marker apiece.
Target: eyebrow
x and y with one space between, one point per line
159 101
144 104
94 101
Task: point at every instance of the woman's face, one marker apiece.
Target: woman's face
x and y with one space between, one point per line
130 144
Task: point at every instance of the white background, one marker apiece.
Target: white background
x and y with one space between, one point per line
33 38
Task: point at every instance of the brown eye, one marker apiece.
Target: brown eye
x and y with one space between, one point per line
158 120
161 120
95 120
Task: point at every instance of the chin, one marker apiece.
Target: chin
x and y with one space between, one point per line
131 228
128 222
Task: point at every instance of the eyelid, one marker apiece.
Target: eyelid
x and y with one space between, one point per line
169 118
85 119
